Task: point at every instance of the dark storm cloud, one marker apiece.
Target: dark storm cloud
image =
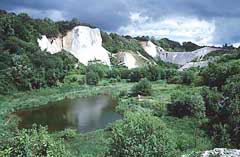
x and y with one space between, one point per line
110 15
106 14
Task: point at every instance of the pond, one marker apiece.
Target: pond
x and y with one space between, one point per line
84 114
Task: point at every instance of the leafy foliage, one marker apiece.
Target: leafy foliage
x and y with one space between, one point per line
186 104
33 142
143 88
92 78
23 65
216 74
140 134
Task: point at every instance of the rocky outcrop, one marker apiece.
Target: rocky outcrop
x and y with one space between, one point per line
127 59
152 49
189 65
218 152
83 42
184 59
132 59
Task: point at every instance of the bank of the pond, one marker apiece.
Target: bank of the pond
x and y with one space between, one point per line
83 114
41 97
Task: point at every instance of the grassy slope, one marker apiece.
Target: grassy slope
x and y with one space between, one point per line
94 143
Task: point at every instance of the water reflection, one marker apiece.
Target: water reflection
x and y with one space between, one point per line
84 114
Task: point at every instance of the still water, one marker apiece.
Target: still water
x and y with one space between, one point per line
83 114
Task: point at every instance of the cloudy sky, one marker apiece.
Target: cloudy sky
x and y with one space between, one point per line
209 22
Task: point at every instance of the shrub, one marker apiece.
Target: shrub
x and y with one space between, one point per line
152 73
144 88
124 73
162 74
170 73
68 134
92 78
136 74
113 73
216 74
212 101
186 104
232 87
34 142
175 79
187 77
82 81
140 134
98 68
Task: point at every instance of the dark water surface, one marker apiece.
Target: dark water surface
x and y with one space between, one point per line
83 114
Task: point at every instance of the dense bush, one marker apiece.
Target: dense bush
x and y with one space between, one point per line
143 88
92 78
222 110
232 87
216 74
213 102
152 73
33 142
136 74
187 77
98 67
177 79
186 104
140 134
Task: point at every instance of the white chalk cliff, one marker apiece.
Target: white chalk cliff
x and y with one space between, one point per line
83 42
132 59
152 49
183 59
127 59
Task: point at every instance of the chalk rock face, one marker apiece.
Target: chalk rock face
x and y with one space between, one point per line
132 59
181 58
128 59
220 152
152 49
51 46
189 65
184 59
83 42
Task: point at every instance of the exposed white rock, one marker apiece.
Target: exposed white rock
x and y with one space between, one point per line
83 42
189 65
181 58
219 152
152 49
50 46
127 59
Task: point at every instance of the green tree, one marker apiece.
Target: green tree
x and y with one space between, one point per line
187 77
152 73
143 87
140 134
136 74
92 78
186 104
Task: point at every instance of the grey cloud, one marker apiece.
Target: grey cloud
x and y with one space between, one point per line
110 14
